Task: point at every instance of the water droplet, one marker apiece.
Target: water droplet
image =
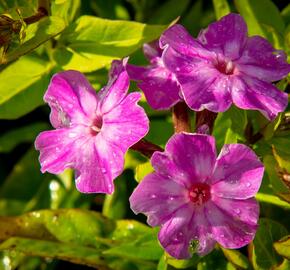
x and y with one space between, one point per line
153 196
177 69
222 235
104 170
248 184
72 135
238 211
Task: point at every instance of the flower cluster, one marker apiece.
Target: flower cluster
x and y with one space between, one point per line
194 195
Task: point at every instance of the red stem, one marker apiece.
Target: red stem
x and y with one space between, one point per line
180 118
146 148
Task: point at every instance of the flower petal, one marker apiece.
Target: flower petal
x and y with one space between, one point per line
161 88
57 149
187 225
261 60
254 94
188 158
174 234
226 36
125 124
202 85
71 98
177 38
97 164
238 173
157 197
116 89
152 50
246 211
229 232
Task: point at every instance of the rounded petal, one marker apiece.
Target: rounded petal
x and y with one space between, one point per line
254 94
71 98
186 225
157 197
174 234
57 149
226 36
247 211
125 124
187 158
152 50
261 60
97 163
159 85
202 85
238 173
116 89
227 231
177 38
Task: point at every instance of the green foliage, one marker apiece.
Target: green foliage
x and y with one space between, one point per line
92 43
263 255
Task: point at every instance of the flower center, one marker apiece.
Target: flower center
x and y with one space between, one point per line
96 125
224 66
199 193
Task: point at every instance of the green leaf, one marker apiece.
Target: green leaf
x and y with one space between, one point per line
92 43
272 199
36 34
263 18
229 126
162 264
25 134
22 85
221 8
236 258
263 255
283 247
142 170
214 260
145 247
183 264
168 11
48 249
65 9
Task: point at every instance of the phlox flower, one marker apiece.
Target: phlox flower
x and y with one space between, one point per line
224 66
92 130
197 197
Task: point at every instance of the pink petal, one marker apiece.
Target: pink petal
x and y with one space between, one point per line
187 224
97 164
246 211
203 86
226 36
57 149
188 158
158 198
70 97
261 60
227 231
152 50
174 234
116 89
251 93
238 173
125 124
177 38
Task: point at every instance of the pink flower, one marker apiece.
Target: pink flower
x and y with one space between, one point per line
159 84
224 66
92 131
195 196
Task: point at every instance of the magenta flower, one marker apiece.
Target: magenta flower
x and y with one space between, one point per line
159 85
224 66
93 131
195 196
